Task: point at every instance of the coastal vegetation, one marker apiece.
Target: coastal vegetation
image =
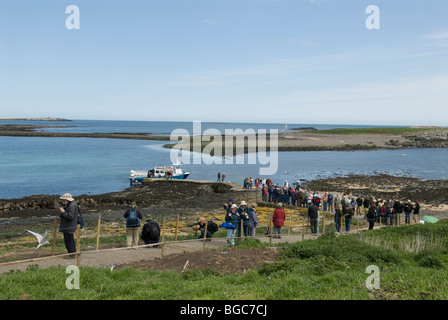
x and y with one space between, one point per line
379 130
328 268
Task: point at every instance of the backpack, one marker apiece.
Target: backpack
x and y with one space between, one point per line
153 230
80 219
212 226
132 220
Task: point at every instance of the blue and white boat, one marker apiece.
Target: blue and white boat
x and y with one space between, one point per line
174 171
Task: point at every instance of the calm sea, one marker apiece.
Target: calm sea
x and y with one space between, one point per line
36 165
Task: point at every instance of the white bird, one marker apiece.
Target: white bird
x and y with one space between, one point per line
41 239
112 266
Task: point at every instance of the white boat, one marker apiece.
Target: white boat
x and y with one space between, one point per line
174 171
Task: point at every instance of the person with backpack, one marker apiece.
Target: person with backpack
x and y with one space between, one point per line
150 232
69 220
133 217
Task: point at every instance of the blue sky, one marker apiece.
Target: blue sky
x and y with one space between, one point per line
281 61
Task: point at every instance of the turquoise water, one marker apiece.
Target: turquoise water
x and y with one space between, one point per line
36 165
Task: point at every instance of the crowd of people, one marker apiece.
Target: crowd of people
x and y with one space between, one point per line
242 218
345 206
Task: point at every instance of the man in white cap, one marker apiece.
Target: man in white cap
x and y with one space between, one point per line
244 216
69 221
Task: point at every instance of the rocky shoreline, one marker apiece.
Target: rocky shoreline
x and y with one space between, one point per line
174 196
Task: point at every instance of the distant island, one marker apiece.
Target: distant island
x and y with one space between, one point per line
342 139
304 129
36 119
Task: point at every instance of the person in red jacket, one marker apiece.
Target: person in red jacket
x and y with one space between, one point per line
278 219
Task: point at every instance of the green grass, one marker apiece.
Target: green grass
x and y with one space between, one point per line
385 131
326 268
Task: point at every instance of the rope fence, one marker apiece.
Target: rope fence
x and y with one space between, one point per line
172 229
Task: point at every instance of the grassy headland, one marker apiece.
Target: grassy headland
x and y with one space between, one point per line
328 268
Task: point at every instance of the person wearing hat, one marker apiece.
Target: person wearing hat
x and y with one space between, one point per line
244 216
416 211
253 221
232 217
228 204
133 217
69 219
407 211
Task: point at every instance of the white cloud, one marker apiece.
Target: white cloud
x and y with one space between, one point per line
209 21
437 35
309 43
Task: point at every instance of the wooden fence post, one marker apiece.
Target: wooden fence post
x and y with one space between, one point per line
270 230
177 228
98 227
205 236
78 246
303 229
55 228
323 223
289 228
163 237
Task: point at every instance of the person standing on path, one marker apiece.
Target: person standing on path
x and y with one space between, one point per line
371 216
253 221
337 219
407 211
278 220
232 217
347 212
313 214
416 211
69 220
133 217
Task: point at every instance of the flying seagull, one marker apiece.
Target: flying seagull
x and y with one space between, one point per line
112 266
41 239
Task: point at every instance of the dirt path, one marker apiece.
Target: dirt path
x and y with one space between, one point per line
139 256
